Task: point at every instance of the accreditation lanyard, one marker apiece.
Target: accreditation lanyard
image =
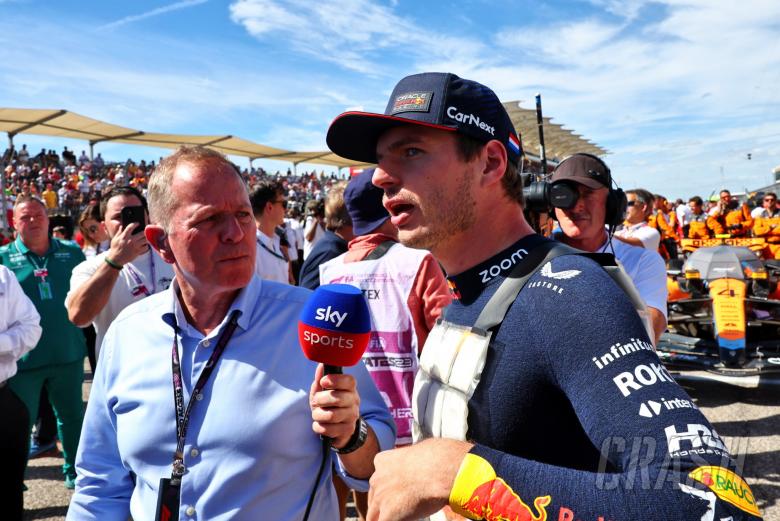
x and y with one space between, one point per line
170 489
140 287
40 272
272 252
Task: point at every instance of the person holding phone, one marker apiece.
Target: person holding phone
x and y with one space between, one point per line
130 270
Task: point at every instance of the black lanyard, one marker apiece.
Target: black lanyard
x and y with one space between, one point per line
182 415
272 252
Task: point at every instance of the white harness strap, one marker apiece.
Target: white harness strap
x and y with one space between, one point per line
450 369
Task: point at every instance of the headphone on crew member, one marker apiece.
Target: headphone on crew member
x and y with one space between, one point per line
544 196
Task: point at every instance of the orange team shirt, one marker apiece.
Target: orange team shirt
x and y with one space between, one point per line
722 225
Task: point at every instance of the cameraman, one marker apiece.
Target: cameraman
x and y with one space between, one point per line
583 226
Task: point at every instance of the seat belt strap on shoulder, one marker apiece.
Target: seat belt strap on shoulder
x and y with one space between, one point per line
494 312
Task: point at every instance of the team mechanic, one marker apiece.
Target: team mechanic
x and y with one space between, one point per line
555 408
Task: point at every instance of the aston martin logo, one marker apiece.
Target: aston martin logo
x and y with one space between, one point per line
559 275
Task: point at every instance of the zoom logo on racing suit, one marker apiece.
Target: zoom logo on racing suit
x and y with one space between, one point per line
506 263
642 376
694 438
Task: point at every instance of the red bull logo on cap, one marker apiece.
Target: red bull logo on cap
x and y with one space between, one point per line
479 494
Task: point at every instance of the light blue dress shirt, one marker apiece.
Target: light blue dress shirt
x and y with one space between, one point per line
250 451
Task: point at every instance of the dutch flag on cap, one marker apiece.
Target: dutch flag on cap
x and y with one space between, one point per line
513 143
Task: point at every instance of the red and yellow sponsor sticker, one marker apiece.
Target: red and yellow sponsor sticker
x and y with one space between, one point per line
727 486
479 494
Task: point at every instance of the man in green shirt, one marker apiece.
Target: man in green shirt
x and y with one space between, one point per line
43 266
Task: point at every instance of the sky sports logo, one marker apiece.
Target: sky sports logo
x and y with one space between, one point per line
330 315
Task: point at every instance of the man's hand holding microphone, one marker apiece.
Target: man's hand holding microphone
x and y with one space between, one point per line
334 330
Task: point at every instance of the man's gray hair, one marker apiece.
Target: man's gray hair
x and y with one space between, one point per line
162 200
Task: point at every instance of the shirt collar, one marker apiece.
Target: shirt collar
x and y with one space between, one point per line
637 225
173 313
468 285
23 249
369 241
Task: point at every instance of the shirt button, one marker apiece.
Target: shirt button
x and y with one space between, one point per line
206 343
199 396
190 511
194 452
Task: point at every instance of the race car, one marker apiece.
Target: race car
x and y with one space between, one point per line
724 313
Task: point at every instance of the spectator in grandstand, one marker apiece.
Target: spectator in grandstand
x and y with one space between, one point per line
23 156
43 266
269 205
583 226
768 208
728 217
338 232
127 272
314 227
635 230
98 161
50 197
20 331
697 220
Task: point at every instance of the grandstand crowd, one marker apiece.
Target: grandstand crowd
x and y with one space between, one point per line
69 184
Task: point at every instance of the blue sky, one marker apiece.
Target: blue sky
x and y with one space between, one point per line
679 92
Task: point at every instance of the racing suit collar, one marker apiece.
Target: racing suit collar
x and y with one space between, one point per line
467 285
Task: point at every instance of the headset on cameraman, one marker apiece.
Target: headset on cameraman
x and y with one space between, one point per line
544 196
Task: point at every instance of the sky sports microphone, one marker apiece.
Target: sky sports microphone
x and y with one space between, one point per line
335 326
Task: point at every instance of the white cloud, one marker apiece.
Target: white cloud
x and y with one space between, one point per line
154 12
626 9
353 34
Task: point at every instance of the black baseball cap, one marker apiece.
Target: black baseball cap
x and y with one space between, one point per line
432 99
585 169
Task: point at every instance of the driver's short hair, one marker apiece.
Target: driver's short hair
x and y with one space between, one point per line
468 148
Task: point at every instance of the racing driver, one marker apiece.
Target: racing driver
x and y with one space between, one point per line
550 404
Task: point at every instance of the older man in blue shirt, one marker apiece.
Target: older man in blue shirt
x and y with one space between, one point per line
157 440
